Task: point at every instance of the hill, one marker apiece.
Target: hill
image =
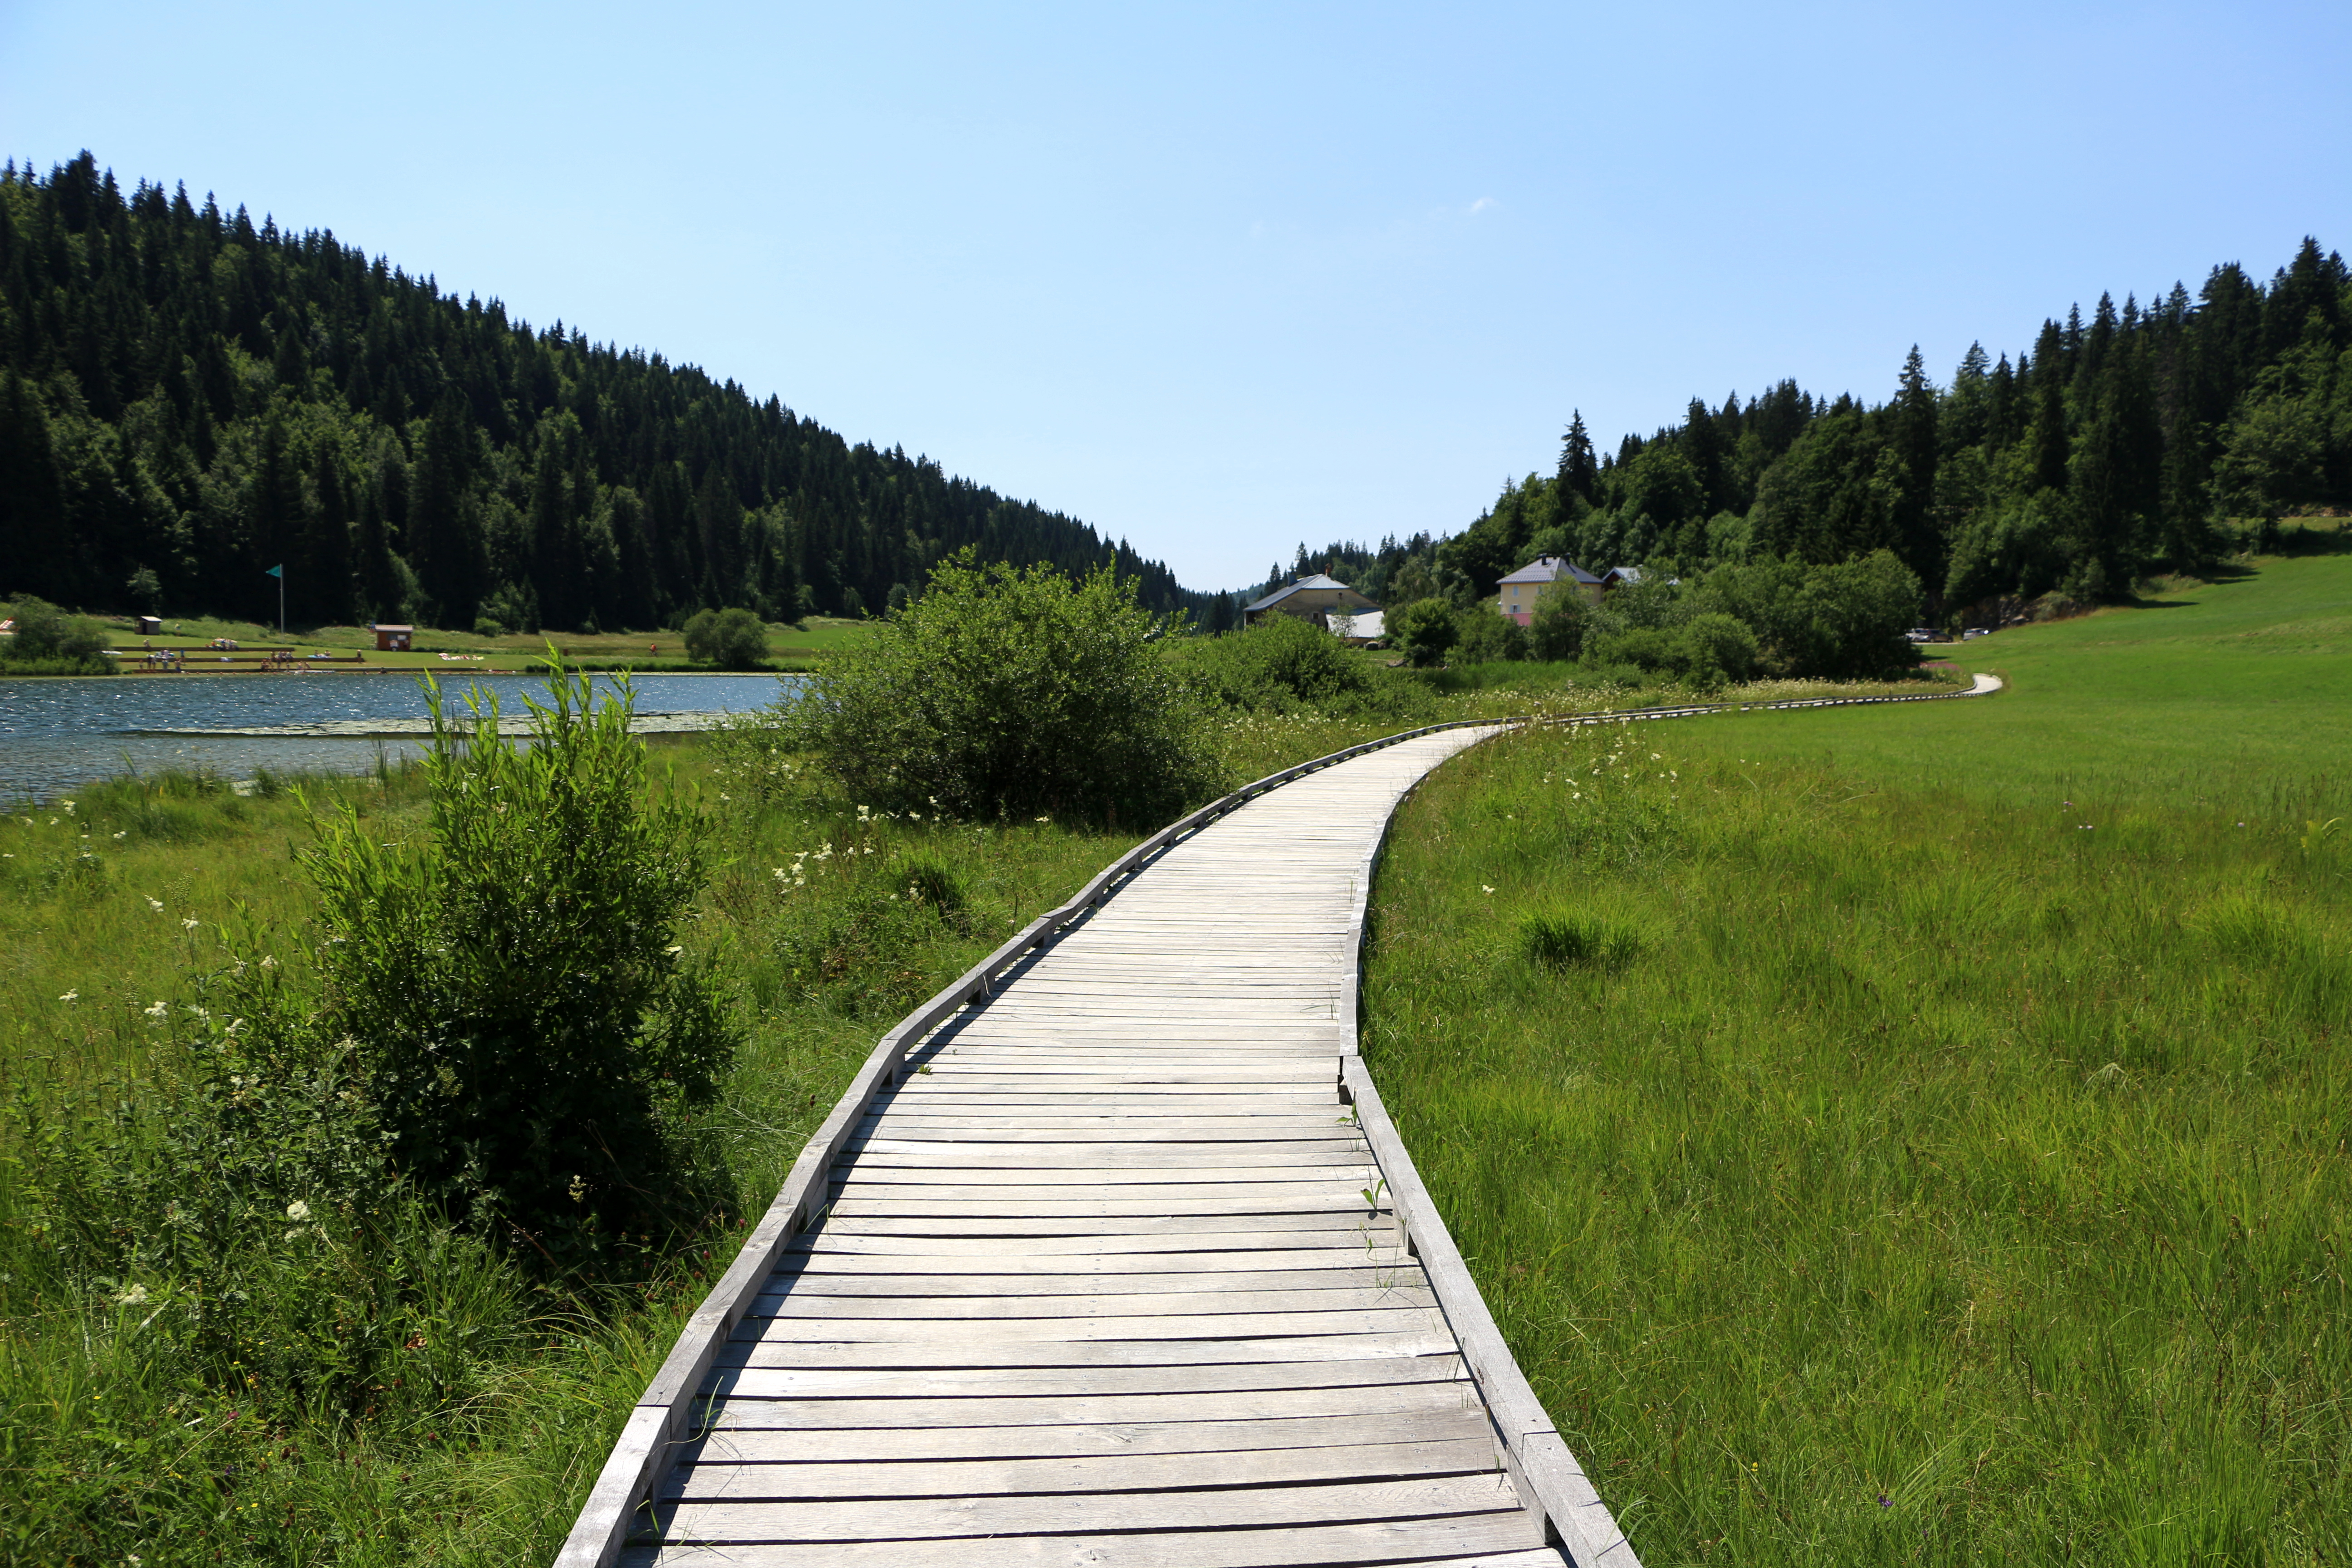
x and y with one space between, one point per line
2110 448
187 400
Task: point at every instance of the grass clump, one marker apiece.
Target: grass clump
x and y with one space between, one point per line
1555 939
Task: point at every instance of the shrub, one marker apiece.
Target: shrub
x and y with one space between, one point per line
1556 630
50 642
1488 636
1009 691
731 639
514 986
487 627
1282 664
1425 629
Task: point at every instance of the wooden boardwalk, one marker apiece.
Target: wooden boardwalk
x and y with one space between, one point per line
1111 1256
1112 1274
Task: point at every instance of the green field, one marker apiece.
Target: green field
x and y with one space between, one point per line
1917 1134
790 648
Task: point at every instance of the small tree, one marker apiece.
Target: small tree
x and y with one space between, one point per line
43 631
514 985
1425 629
1556 630
1010 690
731 639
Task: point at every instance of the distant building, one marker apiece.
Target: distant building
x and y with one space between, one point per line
1620 577
393 639
1518 592
1311 598
151 625
1358 631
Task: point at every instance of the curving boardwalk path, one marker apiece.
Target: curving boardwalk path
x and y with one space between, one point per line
1111 1257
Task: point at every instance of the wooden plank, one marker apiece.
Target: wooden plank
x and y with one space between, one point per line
1169 1197
744 1349
803 1283
1475 1540
713 1475
1347 1402
886 1445
1191 1233
853 1204
1098 1306
916 1519
1179 1364
768 1370
976 1337
818 1263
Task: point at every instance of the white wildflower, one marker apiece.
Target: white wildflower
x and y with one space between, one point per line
157 905
159 1012
73 996
120 837
298 1211
189 924
1487 891
135 1295
673 950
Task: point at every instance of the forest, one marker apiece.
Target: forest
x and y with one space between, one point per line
2148 439
187 401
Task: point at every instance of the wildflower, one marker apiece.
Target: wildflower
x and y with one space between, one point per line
159 1012
1487 891
157 905
298 1211
673 950
68 806
135 1295
120 837
267 962
73 996
189 923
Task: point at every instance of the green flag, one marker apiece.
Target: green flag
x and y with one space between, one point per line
276 571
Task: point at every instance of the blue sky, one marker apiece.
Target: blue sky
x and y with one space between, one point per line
1223 278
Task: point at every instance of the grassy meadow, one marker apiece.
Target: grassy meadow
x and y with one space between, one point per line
1919 1134
790 648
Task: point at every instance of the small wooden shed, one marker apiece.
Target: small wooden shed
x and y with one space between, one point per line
392 638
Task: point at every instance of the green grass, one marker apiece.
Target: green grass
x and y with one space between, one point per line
664 652
1917 1135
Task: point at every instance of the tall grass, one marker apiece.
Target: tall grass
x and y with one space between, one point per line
1935 1181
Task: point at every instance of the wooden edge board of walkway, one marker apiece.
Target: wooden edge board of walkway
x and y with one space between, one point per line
1255 1229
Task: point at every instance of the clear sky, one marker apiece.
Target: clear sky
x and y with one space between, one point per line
1221 278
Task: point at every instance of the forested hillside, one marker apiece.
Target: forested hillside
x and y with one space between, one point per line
186 401
2145 439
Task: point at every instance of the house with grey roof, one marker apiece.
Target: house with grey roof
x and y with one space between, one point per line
1314 597
1516 595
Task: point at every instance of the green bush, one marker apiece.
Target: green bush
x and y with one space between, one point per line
1556 630
1425 629
50 642
1009 691
731 639
514 986
1488 636
1287 663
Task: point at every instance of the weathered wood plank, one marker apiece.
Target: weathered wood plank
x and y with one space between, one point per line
1068 1306
1350 1402
713 1475
1272 1356
888 1444
1477 1540
805 1283
915 1518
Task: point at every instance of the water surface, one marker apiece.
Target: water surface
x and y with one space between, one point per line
58 734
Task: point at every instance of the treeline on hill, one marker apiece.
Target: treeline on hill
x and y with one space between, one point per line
2111 450
186 401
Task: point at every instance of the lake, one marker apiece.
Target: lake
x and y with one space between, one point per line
59 733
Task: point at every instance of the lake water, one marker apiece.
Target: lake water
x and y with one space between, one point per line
58 734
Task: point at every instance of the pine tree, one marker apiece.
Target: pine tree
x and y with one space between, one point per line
1578 473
